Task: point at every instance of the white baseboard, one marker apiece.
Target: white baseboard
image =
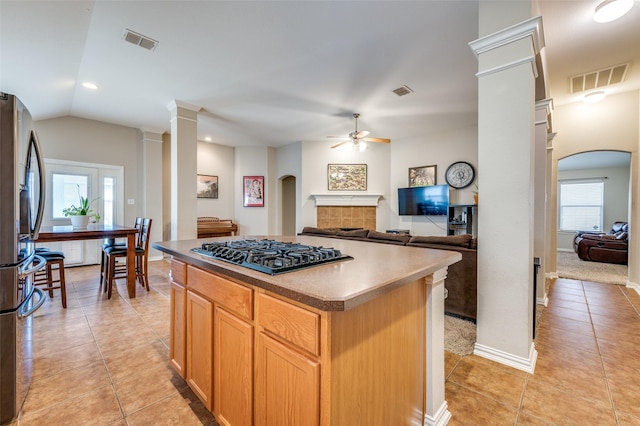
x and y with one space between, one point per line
525 364
441 417
566 250
634 286
543 301
159 257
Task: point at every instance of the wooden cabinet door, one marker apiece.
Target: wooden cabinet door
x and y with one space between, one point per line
200 347
178 344
232 369
287 386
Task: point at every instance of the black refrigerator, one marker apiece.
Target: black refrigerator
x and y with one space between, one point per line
21 206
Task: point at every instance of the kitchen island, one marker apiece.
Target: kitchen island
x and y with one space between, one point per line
357 341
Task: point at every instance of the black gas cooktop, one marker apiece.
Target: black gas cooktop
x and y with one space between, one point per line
270 256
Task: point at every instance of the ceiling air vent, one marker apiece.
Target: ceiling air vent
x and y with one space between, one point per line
598 79
140 40
404 90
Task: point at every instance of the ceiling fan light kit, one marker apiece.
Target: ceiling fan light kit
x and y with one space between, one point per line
610 10
358 138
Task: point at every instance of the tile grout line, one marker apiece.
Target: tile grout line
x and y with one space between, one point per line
604 371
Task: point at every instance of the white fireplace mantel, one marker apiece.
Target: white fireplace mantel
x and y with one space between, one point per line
347 199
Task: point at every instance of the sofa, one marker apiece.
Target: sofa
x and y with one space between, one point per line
462 277
611 247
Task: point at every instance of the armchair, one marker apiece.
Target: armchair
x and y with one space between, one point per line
611 247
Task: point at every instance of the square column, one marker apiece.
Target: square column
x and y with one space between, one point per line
184 166
436 409
506 158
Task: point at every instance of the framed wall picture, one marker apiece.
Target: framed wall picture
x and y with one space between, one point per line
347 177
422 176
253 187
207 186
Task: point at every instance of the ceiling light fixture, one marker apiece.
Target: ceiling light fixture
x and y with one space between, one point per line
89 85
610 10
593 97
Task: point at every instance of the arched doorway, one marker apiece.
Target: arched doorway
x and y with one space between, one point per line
593 193
288 207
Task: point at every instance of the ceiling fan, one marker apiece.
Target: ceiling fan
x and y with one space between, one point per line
358 138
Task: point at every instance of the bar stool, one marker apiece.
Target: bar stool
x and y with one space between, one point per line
45 276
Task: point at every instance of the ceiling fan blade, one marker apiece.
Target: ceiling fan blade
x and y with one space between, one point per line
362 134
338 137
340 144
381 140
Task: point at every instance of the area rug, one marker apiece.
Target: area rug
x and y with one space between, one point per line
459 335
571 266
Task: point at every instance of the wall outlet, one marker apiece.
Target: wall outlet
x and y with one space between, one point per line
131 201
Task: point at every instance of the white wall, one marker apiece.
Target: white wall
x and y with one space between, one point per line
217 160
612 124
252 161
79 139
317 155
440 149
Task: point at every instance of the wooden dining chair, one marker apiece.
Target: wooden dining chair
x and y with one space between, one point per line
112 243
115 270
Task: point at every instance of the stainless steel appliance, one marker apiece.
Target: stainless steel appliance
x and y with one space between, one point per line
21 207
270 256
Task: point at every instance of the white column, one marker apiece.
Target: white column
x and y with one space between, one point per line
152 186
551 231
633 279
184 149
436 410
542 123
506 140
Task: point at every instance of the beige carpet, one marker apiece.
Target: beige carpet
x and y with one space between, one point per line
571 266
459 335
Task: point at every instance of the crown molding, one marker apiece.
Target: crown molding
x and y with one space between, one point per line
174 104
529 28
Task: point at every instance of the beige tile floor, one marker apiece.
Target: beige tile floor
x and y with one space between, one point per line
106 362
587 372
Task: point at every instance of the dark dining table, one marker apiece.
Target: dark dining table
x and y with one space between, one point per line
50 234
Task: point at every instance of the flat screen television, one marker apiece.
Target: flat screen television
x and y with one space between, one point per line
424 201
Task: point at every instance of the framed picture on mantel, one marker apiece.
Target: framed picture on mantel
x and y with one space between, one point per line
253 191
347 177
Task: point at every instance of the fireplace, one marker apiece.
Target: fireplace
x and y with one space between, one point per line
346 211
346 217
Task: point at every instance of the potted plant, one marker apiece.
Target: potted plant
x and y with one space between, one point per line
82 214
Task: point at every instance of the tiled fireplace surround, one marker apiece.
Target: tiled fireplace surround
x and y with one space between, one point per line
346 217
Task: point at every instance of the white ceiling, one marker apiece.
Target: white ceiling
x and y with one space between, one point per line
272 73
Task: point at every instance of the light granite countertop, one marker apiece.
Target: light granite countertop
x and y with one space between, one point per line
374 270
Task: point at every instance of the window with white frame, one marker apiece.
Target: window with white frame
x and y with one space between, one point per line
581 205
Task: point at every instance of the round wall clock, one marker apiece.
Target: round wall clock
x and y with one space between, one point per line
460 175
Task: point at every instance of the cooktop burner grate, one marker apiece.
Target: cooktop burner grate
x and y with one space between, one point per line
270 256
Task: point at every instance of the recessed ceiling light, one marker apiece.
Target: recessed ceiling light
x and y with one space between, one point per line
610 10
208 138
593 97
89 85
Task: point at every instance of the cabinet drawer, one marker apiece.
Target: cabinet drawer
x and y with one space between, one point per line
179 272
235 297
291 323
